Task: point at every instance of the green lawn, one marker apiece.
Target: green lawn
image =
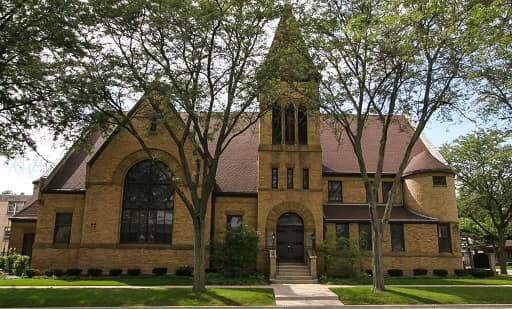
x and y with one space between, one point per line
431 295
216 279
87 297
497 280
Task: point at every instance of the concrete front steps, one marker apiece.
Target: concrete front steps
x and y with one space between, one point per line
293 273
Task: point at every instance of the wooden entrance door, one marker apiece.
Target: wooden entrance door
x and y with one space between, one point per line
290 238
28 242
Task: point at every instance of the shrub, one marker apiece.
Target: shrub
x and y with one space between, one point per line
369 272
481 272
74 272
31 272
115 272
133 271
159 271
344 259
94 272
54 272
184 270
419 271
20 264
2 262
394 272
461 272
440 272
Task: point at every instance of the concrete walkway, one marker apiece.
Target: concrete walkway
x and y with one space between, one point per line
305 295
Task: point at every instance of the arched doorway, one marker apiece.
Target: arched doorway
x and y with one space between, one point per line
290 237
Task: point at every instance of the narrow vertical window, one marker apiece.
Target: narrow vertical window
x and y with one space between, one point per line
303 125
334 194
365 236
444 239
386 189
289 178
7 233
305 178
62 231
276 125
289 125
274 178
397 237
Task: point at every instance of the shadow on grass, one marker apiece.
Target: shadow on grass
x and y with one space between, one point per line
419 299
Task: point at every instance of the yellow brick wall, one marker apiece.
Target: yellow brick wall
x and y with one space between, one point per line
353 190
18 230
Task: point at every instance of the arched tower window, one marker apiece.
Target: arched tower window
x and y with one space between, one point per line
148 204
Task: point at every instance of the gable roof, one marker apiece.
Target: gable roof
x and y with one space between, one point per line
238 167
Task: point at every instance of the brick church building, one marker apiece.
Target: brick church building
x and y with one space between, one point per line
290 177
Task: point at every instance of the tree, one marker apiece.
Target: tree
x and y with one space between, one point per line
483 163
37 41
489 70
195 62
383 58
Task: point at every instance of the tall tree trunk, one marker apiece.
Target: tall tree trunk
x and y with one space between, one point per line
378 269
199 256
502 259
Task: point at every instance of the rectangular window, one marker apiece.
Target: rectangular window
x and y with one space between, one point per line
305 178
14 207
275 175
365 236
386 188
397 237
234 222
62 228
334 191
342 230
444 239
7 233
289 178
276 125
439 180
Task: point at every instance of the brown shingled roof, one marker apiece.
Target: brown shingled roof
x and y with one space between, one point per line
360 213
238 167
28 213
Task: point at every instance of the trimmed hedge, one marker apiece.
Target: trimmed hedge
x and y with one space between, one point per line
133 271
74 272
440 272
159 271
54 272
115 272
184 270
94 272
419 271
394 272
481 273
461 272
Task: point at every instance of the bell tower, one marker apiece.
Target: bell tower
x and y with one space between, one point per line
289 155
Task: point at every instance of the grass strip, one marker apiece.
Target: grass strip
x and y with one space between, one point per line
123 281
430 295
16 298
498 280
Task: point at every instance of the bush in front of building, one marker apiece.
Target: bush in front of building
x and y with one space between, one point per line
395 272
94 272
184 270
114 272
419 272
440 272
461 272
344 258
75 272
54 272
133 271
237 251
14 263
159 271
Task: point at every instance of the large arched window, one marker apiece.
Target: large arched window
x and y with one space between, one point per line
147 204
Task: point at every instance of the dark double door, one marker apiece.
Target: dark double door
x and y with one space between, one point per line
290 238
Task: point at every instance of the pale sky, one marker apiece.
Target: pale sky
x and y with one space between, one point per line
18 174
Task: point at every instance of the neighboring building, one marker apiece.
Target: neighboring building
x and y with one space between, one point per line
10 205
289 177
